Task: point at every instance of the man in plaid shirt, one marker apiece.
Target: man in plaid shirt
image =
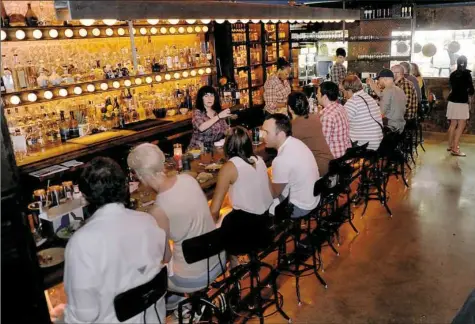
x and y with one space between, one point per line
404 84
277 89
334 118
338 70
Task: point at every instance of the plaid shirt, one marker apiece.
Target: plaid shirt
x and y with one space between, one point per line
209 136
275 92
336 128
337 73
411 95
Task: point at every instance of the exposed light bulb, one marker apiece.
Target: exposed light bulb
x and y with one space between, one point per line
255 21
163 30
138 81
275 21
205 29
37 34
168 77
63 92
53 33
104 86
77 90
172 30
190 21
143 30
82 32
208 70
32 97
134 31
349 21
15 100
244 21
116 84
201 71
299 21
193 73
158 78
87 22
306 21
181 30
265 21
4 35
109 22
220 21
283 21
20 34
173 21
121 31
232 21
153 31
91 88
109 32
205 21
198 29
48 95
176 75
189 29
127 83
185 74
96 32
148 79
291 21
153 21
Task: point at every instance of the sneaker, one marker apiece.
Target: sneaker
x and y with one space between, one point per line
173 319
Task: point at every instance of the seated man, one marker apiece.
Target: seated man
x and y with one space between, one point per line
366 124
308 129
334 118
182 210
294 170
118 249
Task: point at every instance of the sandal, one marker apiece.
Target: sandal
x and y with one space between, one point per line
458 153
449 149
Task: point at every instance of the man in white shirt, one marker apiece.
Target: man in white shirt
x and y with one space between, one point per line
117 250
294 170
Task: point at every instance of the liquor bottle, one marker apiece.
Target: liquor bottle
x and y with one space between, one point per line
7 77
19 74
52 132
63 128
5 19
31 75
30 18
11 122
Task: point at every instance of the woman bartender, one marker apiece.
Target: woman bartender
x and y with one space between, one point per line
209 124
277 88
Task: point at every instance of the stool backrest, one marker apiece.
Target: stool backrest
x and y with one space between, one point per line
137 300
244 233
202 247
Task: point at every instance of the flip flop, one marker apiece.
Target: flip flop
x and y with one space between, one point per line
458 153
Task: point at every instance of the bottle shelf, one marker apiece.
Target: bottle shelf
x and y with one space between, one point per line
75 90
18 34
380 59
353 40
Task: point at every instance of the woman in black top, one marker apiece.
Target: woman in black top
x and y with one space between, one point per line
458 106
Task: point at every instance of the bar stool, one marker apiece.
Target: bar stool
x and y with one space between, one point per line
196 249
258 236
137 300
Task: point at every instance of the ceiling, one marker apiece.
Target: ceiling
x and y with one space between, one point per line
359 3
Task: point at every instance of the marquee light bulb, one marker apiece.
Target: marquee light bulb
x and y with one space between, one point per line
153 21
109 22
48 95
87 22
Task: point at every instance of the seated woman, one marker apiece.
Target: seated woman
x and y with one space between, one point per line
244 176
209 121
182 210
308 129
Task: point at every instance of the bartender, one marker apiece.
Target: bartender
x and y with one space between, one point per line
277 88
209 120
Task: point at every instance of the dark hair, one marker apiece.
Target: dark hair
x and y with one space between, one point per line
330 89
199 99
239 144
462 63
282 123
299 103
282 63
103 182
340 52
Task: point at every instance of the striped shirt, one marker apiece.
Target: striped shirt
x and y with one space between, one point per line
363 128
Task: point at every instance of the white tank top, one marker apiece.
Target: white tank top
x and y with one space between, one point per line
188 212
250 192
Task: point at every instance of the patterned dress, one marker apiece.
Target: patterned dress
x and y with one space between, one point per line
209 136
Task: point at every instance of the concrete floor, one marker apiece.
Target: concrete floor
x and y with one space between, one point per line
418 267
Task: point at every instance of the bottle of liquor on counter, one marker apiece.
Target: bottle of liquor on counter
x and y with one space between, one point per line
63 127
31 18
31 75
19 74
73 126
7 77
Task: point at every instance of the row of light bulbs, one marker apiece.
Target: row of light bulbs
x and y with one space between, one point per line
77 90
110 22
68 33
